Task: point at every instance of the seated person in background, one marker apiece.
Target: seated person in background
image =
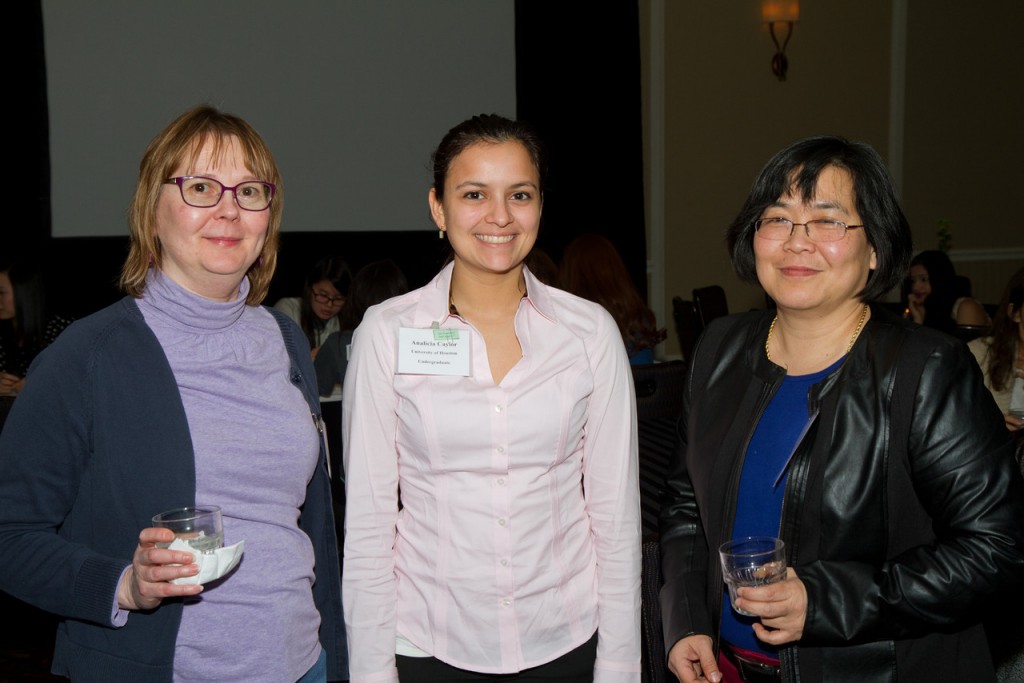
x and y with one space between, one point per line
373 283
592 268
1001 354
934 298
323 295
26 327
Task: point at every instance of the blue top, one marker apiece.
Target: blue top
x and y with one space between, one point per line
763 483
642 357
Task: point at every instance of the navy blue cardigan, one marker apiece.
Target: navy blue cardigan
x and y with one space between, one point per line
94 444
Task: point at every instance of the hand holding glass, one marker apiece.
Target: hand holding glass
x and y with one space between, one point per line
752 561
198 525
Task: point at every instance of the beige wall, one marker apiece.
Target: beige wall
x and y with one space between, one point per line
964 158
725 114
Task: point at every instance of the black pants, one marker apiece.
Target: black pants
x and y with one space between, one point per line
576 666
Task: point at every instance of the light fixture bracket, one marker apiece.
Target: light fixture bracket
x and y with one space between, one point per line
781 13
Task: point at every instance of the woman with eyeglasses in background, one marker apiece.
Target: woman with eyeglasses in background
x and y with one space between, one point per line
323 295
184 391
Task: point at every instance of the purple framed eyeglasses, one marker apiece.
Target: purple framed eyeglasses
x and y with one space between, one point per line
202 192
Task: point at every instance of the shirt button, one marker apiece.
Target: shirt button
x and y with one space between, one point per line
501 482
501 521
501 449
497 409
504 563
506 602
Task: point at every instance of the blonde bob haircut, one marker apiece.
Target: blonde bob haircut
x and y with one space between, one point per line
179 145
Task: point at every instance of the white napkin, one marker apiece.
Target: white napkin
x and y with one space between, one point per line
211 565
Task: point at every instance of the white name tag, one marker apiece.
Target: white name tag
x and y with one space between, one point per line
433 352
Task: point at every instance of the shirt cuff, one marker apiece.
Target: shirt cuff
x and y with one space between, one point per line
118 616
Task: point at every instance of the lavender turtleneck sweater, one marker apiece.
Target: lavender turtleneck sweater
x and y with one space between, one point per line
255 450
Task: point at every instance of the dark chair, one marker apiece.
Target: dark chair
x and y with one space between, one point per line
710 303
659 402
967 333
688 327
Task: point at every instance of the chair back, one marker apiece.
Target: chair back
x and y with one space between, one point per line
659 404
710 303
970 332
688 326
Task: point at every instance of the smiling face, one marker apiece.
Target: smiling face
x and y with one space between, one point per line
920 287
491 207
818 277
208 250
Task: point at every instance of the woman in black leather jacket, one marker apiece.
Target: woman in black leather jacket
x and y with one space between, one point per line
868 444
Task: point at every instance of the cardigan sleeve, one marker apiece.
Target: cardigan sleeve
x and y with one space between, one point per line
45 448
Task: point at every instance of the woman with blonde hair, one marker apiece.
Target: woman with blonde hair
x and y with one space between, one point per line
185 391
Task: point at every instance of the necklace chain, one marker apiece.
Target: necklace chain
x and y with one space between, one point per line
853 338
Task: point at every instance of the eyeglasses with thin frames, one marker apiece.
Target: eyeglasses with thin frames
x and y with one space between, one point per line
819 230
323 298
202 192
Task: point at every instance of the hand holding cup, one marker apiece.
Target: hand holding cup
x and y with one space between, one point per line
201 526
752 561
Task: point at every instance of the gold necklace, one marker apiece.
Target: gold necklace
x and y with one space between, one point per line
856 332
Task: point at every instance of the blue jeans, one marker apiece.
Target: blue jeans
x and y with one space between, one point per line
318 672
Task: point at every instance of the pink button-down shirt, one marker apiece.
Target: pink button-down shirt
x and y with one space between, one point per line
519 534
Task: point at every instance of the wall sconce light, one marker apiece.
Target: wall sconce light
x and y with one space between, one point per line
785 13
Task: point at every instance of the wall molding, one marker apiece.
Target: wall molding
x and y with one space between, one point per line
996 254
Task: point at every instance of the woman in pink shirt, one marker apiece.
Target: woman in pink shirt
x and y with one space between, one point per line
493 522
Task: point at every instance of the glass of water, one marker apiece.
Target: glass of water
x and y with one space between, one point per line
200 526
752 561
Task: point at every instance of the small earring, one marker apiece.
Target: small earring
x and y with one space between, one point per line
440 233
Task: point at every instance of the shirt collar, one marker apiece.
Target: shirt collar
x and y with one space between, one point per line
539 296
433 306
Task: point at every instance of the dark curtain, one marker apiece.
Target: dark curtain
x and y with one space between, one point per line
578 81
29 126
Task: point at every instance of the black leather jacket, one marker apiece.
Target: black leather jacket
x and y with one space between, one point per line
903 511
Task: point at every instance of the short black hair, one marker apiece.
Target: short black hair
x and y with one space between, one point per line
797 167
